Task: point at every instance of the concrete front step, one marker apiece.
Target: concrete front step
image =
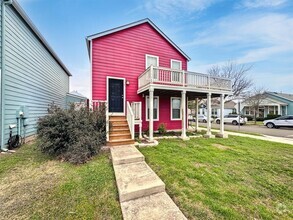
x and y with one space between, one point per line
120 142
135 180
125 154
119 136
153 207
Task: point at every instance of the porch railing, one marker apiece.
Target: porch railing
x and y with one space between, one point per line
182 78
99 104
130 120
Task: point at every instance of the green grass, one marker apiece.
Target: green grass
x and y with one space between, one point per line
235 178
34 186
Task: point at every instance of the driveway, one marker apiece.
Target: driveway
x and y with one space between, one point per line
260 129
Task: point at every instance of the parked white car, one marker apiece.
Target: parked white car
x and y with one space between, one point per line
233 119
204 119
283 121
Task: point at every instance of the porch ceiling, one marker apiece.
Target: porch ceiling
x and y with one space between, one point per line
177 93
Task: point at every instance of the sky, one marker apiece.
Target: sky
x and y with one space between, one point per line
210 32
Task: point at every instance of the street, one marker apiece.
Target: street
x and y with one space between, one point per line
260 129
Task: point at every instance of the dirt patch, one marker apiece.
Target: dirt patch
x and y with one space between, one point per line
23 186
199 165
221 147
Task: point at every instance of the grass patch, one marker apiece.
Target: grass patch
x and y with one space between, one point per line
234 178
34 186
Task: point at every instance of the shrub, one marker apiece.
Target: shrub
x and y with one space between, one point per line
260 118
249 117
162 129
72 135
271 116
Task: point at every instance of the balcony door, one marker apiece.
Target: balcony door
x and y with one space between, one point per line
152 60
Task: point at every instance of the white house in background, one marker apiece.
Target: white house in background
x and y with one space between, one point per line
230 107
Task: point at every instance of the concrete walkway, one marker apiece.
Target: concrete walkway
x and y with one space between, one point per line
282 140
141 192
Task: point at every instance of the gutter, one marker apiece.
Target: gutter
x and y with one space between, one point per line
4 2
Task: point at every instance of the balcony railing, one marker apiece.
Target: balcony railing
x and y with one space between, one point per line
181 78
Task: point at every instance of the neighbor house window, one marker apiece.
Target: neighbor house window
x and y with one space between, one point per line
175 108
214 111
176 65
156 108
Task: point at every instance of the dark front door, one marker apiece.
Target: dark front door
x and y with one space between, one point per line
116 96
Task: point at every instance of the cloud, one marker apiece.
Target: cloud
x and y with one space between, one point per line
253 37
175 7
262 3
81 81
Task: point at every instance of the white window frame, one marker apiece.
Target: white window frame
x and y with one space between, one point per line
146 108
171 112
146 59
179 61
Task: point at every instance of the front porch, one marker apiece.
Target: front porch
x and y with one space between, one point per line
187 86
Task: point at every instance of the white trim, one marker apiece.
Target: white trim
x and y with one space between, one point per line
91 74
94 36
179 61
149 55
146 108
124 95
171 112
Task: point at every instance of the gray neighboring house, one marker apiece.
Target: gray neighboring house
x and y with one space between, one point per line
274 103
77 98
32 75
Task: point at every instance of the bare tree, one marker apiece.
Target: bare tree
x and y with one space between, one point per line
254 99
237 72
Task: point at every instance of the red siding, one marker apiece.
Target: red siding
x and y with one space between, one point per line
122 54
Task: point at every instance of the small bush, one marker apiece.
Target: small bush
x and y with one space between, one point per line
162 128
249 117
271 116
260 118
72 135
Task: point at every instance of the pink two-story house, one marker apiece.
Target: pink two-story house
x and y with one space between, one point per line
136 68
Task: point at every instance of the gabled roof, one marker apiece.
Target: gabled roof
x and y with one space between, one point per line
27 20
282 95
146 20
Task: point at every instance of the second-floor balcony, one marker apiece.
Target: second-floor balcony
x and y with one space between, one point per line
167 78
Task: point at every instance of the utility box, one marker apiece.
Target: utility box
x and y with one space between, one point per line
22 112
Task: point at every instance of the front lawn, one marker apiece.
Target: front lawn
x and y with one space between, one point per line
235 178
34 186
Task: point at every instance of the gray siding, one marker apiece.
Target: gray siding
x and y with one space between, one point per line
33 77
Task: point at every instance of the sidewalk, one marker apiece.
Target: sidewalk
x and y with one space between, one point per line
264 137
141 192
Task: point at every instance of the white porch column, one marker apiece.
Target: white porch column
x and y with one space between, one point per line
279 110
196 114
183 113
209 113
221 134
151 114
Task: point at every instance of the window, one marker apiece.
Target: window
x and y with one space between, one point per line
175 108
176 65
151 60
156 108
214 111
